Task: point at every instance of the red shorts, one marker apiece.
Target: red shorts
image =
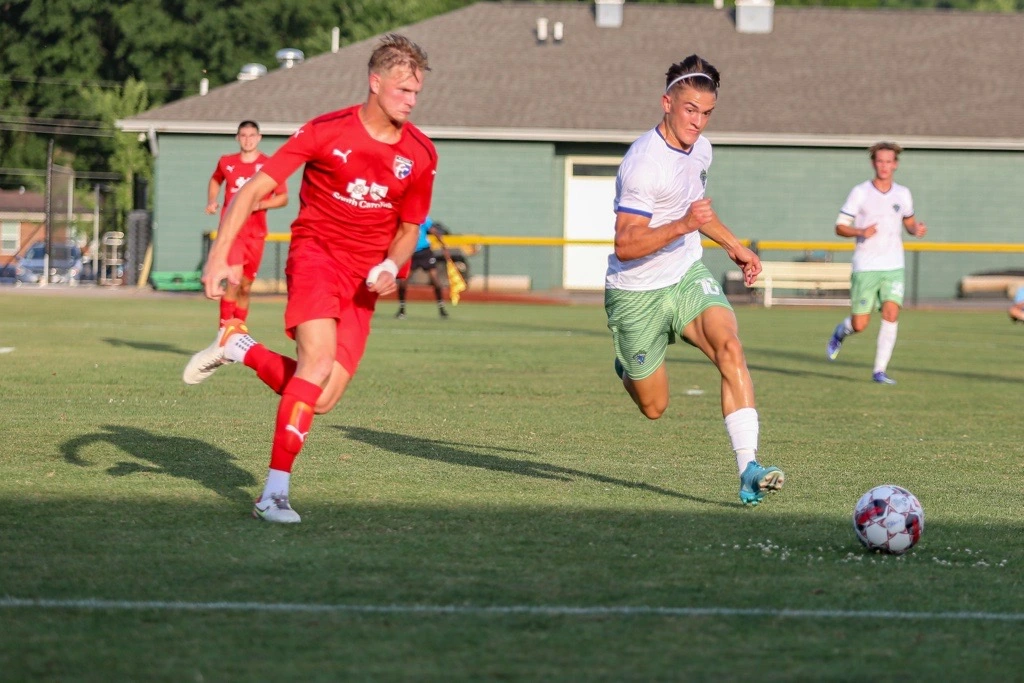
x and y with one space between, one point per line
403 272
319 288
247 249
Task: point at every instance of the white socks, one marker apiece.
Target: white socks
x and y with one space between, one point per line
844 329
277 484
237 346
886 343
742 427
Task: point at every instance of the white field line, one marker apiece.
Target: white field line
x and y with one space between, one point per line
501 610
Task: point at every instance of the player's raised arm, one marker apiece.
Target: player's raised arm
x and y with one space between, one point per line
634 238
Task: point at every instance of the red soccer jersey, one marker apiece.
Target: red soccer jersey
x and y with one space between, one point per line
234 172
356 190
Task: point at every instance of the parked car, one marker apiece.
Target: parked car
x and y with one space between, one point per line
65 261
16 274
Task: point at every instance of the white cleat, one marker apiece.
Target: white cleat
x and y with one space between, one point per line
205 362
276 510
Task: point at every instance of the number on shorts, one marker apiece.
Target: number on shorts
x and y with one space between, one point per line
710 287
896 288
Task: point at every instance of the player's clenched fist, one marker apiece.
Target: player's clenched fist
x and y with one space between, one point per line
700 213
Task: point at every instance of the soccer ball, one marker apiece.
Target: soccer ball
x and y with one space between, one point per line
888 519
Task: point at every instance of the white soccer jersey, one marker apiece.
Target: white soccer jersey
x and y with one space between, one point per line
660 182
867 205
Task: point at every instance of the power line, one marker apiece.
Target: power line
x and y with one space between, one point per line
41 120
50 80
54 129
84 175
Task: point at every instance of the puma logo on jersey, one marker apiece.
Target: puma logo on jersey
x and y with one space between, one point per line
231 169
343 155
295 430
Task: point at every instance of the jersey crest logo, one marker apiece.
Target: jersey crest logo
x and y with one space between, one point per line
640 357
402 167
704 177
896 208
258 167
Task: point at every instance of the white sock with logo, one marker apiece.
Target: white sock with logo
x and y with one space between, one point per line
277 485
886 343
237 346
742 427
844 329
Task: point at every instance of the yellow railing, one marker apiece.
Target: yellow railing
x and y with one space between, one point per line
760 245
471 244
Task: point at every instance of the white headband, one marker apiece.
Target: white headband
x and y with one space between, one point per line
685 76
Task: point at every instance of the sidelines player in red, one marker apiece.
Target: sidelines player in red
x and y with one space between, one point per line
366 188
233 171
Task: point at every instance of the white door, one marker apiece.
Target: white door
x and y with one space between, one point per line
590 192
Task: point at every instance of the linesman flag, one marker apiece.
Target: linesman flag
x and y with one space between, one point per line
456 283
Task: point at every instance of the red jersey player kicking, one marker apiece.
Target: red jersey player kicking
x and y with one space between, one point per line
365 190
233 171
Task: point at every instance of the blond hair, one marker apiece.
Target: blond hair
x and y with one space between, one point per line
396 50
879 146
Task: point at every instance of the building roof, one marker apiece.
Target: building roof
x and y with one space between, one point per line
822 76
21 201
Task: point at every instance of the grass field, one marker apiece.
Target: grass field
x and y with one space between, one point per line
486 503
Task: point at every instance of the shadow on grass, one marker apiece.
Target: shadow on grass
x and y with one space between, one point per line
694 357
159 347
816 358
174 456
467 455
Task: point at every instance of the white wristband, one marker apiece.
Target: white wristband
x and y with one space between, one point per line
387 265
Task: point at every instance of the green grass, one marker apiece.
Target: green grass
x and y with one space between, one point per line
493 460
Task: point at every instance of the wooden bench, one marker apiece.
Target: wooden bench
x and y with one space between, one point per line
818 282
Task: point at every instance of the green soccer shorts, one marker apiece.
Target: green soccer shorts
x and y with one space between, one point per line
870 288
643 324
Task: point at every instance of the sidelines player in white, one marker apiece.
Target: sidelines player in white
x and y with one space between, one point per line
657 287
875 214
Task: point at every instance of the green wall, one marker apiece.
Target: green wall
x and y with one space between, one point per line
517 188
795 194
183 170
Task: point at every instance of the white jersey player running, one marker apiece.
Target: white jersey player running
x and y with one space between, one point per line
875 214
657 288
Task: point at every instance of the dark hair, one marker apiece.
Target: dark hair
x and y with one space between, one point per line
248 124
709 82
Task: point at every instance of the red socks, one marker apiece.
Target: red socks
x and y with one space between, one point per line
227 310
294 418
274 369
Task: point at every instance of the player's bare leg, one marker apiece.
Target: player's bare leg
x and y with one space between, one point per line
650 394
435 281
716 333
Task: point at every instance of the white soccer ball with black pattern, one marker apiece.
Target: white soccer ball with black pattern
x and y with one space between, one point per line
888 519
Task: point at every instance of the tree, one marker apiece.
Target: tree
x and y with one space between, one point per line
128 158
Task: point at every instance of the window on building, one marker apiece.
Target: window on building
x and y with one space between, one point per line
10 237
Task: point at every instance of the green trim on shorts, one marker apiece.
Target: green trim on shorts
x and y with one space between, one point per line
644 323
870 288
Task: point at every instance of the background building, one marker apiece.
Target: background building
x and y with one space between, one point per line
532 105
